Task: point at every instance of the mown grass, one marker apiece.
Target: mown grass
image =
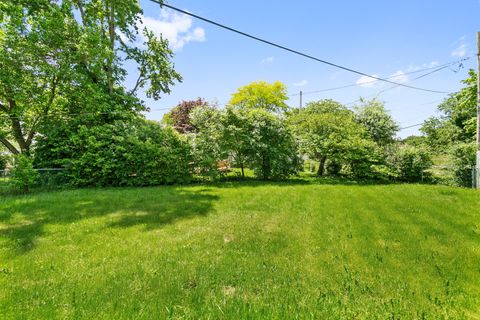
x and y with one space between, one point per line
242 251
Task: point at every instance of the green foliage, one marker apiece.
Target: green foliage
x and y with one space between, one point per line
23 176
378 123
69 57
135 153
410 163
416 141
454 131
440 133
457 124
261 95
273 151
461 108
328 131
3 161
253 138
208 145
333 168
361 157
464 156
237 137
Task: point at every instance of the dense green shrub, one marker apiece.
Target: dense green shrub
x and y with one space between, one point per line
124 153
334 167
410 163
207 143
463 162
23 176
361 157
274 151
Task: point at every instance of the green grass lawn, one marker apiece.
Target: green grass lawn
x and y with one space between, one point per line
3 186
242 251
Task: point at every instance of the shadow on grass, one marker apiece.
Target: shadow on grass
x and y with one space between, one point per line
24 219
232 181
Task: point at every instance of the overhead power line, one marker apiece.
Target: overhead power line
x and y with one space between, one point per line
412 126
376 95
373 81
416 78
292 50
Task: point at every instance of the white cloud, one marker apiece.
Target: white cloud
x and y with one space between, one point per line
413 68
461 48
268 60
460 51
367 82
176 28
301 83
399 77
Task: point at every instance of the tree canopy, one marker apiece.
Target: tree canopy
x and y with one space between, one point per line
60 59
327 130
457 122
377 121
261 95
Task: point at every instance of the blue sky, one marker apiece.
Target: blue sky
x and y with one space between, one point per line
382 38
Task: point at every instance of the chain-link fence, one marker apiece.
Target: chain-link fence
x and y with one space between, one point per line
48 178
54 178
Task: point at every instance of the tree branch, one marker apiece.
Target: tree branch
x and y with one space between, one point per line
137 84
9 146
17 127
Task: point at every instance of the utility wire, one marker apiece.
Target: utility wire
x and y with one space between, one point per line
419 77
291 50
412 126
396 86
372 81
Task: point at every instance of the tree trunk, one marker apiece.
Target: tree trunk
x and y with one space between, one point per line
240 161
111 35
18 134
321 166
265 168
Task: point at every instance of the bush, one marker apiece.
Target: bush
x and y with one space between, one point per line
361 156
23 175
334 168
463 162
124 153
410 163
206 142
274 152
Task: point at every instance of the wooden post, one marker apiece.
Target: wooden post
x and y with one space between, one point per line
477 167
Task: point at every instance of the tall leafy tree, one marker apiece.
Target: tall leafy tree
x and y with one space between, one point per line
207 142
61 59
454 131
273 152
379 124
327 130
237 136
180 116
457 122
261 95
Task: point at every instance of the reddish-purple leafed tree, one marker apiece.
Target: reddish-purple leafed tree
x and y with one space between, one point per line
181 114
